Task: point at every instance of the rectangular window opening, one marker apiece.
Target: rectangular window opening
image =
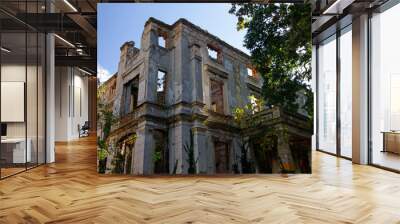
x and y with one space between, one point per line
212 52
217 97
160 81
250 72
161 41
161 86
130 96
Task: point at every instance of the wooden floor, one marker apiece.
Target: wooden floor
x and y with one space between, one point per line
387 159
70 191
11 170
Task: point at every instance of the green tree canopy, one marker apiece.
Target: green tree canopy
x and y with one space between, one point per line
279 39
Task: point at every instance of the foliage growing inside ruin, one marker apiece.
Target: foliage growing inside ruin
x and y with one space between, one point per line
241 116
131 139
263 144
102 153
157 155
105 114
118 161
279 39
122 154
105 121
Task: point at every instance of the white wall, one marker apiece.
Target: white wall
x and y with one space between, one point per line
71 94
12 73
314 89
33 126
61 103
16 73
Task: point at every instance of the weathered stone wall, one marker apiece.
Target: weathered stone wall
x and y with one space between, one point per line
186 115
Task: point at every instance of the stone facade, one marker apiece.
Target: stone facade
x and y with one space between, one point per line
179 98
174 100
110 86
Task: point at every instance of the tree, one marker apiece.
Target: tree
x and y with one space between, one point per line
279 39
105 121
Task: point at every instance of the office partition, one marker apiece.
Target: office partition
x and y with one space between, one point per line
22 78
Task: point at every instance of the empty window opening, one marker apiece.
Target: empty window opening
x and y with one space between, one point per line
212 53
130 96
124 152
251 72
217 97
161 153
161 75
161 41
113 88
160 81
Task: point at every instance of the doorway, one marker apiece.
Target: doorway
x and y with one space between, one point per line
222 164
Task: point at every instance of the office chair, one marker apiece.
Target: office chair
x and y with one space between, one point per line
84 130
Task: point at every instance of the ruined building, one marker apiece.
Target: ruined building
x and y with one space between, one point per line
174 100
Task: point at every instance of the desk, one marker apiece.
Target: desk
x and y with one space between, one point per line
13 150
391 141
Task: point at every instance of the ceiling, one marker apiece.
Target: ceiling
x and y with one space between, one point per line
73 21
330 13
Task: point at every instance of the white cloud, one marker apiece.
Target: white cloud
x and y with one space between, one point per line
102 73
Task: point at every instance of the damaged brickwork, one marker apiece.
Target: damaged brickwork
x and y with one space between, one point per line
174 100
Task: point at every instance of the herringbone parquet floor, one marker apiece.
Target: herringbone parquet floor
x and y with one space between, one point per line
70 191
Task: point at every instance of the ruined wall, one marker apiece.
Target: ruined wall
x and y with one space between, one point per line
186 116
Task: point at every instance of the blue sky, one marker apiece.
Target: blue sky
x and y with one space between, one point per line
121 22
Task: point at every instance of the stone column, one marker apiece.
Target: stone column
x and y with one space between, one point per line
118 102
179 136
210 155
284 152
148 81
237 152
148 74
176 68
200 148
142 156
197 74
186 81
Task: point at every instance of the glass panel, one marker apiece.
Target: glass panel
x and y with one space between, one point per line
23 90
41 98
31 98
327 95
32 88
13 87
346 93
385 89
